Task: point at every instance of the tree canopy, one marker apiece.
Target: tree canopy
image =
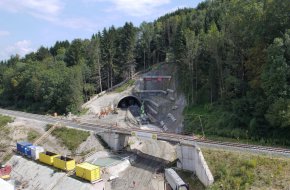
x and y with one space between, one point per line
232 58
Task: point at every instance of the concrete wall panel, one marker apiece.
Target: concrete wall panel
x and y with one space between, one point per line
115 141
191 158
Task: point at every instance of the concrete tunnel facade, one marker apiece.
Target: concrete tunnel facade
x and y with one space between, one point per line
128 100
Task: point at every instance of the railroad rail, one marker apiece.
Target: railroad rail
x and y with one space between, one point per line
170 137
247 146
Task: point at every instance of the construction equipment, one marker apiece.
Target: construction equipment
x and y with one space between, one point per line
47 157
71 172
174 180
88 172
64 163
5 172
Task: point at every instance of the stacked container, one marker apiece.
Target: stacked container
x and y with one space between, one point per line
47 157
22 147
85 170
88 172
33 152
64 163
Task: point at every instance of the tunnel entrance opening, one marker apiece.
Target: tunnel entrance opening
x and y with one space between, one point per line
129 101
134 105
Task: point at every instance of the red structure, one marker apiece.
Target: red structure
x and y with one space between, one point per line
5 171
158 78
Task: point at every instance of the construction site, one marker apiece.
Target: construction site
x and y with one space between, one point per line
134 161
128 137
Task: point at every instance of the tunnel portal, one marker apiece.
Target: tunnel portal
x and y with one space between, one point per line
128 101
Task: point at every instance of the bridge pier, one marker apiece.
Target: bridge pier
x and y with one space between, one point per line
115 141
191 158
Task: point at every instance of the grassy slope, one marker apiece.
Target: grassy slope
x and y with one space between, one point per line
125 86
4 134
32 135
71 138
4 131
4 120
234 170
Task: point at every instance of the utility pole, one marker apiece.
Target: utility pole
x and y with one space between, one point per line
203 135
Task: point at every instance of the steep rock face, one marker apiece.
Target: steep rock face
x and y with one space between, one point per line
163 102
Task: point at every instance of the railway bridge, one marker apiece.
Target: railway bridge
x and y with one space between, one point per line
189 155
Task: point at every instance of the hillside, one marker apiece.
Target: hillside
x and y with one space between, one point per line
232 59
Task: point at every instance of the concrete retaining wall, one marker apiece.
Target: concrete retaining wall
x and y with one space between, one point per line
202 170
191 158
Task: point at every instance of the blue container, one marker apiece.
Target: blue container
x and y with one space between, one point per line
28 151
22 147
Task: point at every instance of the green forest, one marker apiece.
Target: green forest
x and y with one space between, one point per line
232 58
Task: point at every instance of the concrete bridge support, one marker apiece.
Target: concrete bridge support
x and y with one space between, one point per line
189 155
191 158
115 141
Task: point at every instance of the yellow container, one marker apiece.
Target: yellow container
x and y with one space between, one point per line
47 157
5 177
64 163
88 172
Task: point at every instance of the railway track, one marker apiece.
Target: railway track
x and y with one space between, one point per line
171 137
247 146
